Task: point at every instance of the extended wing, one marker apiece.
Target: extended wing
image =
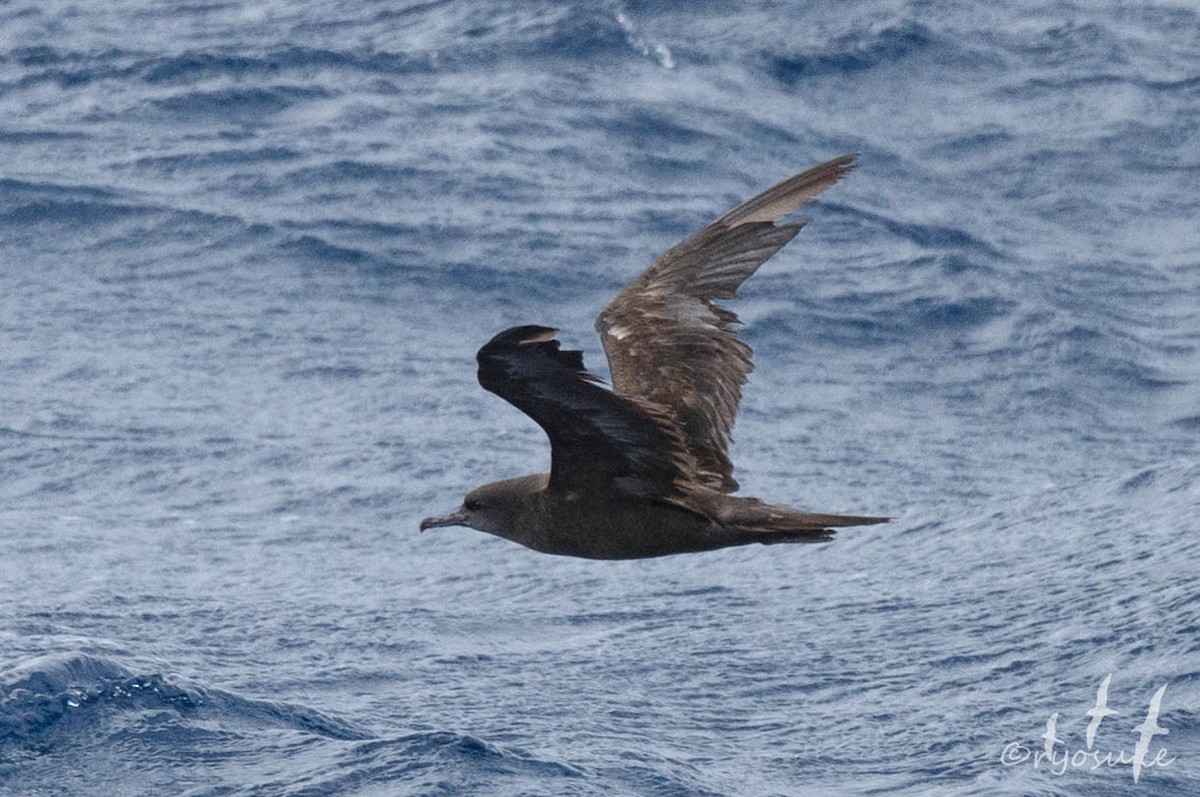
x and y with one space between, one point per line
669 346
598 439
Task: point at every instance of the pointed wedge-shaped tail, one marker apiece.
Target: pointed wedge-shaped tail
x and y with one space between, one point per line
761 522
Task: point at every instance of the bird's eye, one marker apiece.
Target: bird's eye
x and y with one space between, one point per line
471 505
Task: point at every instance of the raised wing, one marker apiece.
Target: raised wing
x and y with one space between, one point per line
669 346
598 440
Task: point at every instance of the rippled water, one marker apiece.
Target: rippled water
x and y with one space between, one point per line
248 250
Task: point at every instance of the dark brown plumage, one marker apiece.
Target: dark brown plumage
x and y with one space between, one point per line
643 469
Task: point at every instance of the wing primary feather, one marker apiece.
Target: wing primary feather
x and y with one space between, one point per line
670 345
787 196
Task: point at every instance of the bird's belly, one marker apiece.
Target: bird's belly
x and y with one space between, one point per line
635 531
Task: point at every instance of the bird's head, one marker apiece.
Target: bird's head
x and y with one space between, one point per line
495 508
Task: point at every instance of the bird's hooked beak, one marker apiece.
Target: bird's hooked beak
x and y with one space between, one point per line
456 518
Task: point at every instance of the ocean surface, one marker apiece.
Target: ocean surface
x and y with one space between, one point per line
248 251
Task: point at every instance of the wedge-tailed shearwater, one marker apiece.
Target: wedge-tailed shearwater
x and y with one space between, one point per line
643 469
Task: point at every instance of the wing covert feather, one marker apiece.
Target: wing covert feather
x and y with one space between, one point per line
598 439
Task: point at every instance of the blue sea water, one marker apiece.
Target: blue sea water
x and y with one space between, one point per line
248 251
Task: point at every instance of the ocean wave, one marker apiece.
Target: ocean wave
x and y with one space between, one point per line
25 202
216 158
431 45
50 701
864 49
426 762
231 104
317 248
68 68
188 67
930 236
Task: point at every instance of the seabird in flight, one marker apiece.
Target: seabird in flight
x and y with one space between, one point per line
643 469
